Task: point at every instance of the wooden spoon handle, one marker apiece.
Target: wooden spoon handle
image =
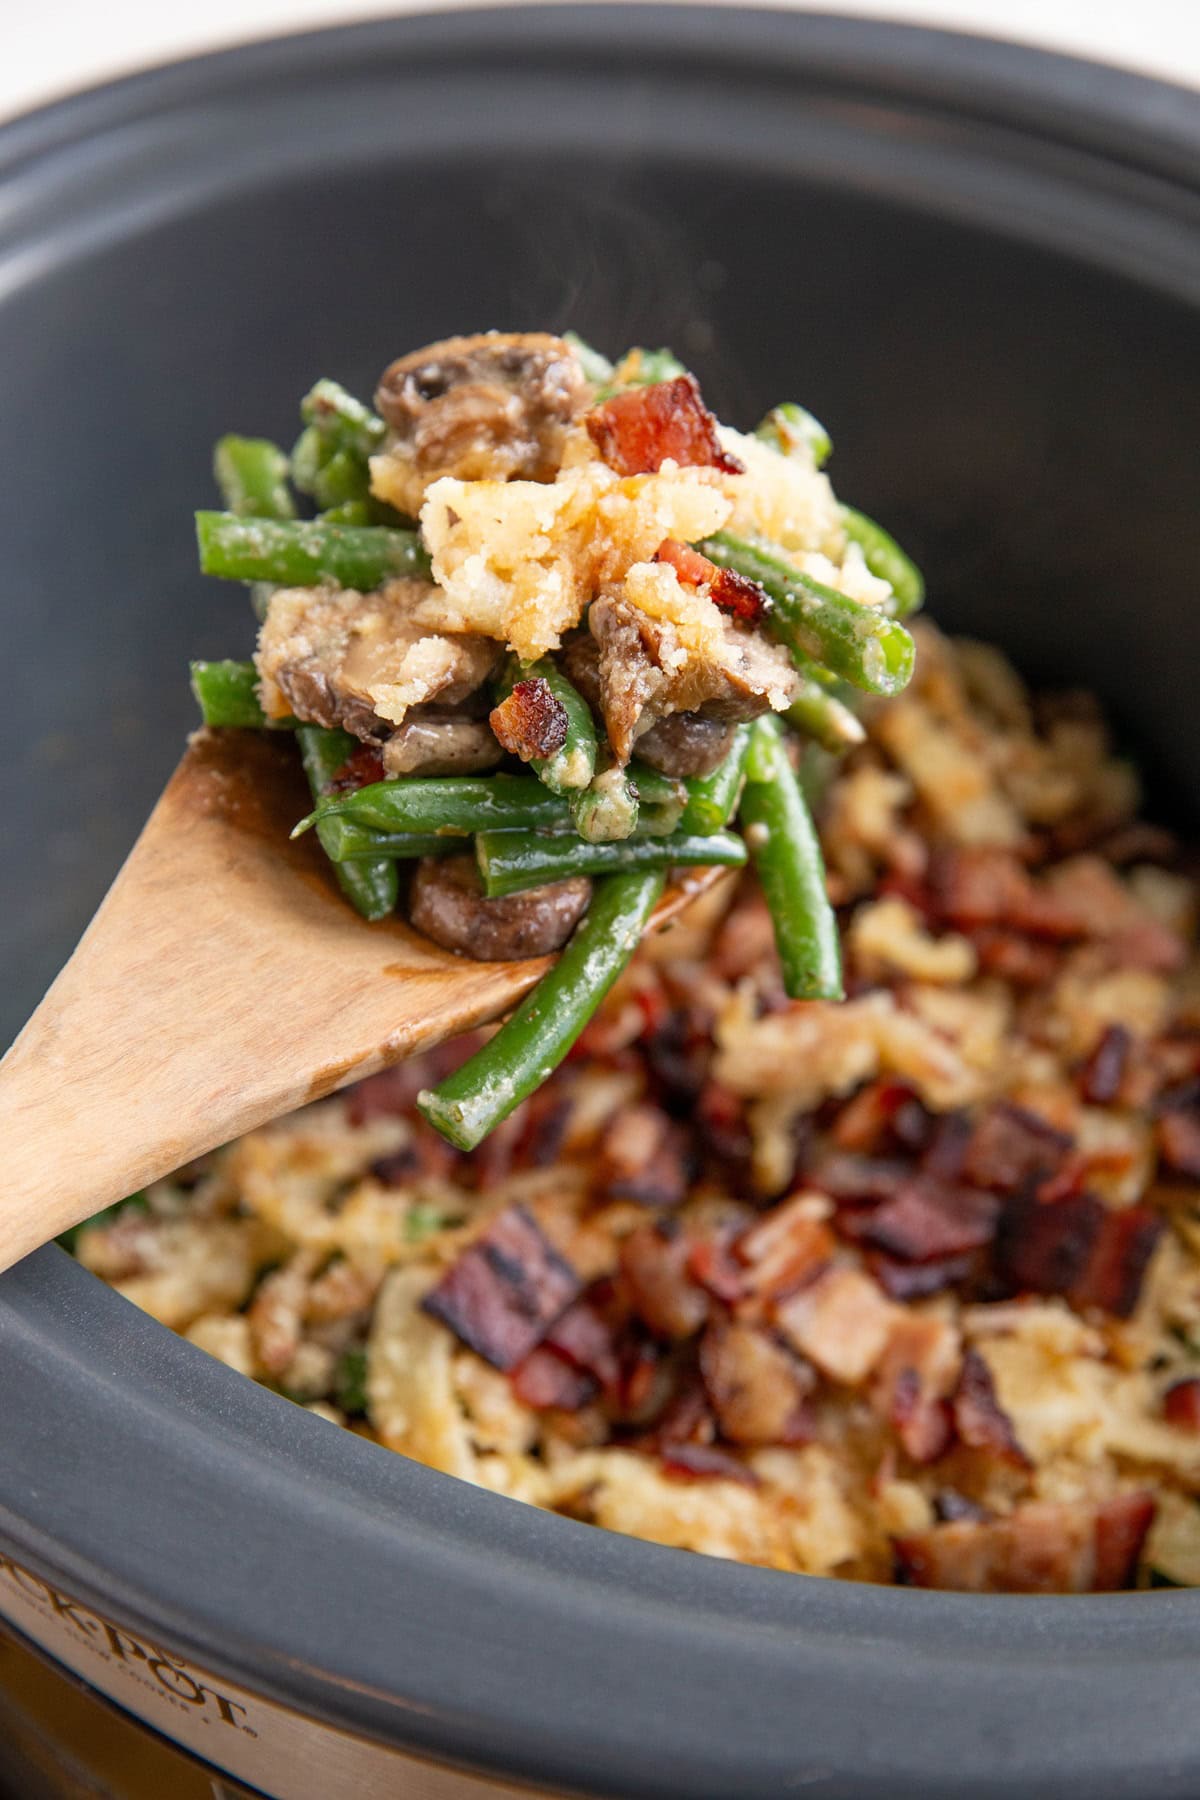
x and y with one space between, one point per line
222 983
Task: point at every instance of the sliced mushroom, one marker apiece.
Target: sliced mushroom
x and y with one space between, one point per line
336 657
434 742
448 904
485 408
645 673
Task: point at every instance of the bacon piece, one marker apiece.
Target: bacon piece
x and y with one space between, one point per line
583 1338
860 1180
362 768
1179 1143
1016 959
785 1250
643 1156
916 1375
733 593
692 568
695 1462
505 1290
979 1418
637 431
864 1123
977 887
1012 1146
917 1281
927 1221
531 722
1112 1279
841 1321
721 1124
686 1418
923 1425
1121 1528
1041 1548
946 1151
1078 1248
1181 1404
1102 1074
543 1381
758 1390
713 1264
654 1265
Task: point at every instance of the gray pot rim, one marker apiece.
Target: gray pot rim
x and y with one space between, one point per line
372 1593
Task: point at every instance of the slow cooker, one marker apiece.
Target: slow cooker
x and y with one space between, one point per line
981 266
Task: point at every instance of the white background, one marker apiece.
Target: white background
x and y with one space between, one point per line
48 47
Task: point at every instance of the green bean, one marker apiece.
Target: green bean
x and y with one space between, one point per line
309 453
372 888
572 766
608 810
712 798
301 553
789 428
252 476
447 805
227 694
512 860
342 420
641 368
821 716
348 512
350 1382
863 646
885 558
596 368
472 1101
781 838
344 841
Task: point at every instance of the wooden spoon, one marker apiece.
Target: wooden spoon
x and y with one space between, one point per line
223 981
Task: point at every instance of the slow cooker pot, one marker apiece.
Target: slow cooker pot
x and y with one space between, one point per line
981 266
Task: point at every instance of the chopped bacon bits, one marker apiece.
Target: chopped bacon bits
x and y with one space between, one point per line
1011 1146
733 593
505 1290
1121 1528
923 1424
927 1221
841 1322
637 431
1042 1548
1102 1074
758 1390
918 1281
1181 1404
1179 1143
785 1251
979 1418
531 722
1078 1248
362 768
654 1266
697 1462
692 567
643 1156
584 1340
543 1381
